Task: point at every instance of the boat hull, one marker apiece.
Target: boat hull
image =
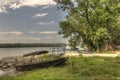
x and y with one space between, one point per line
27 67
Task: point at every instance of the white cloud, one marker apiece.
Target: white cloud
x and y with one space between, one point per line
18 37
40 15
33 3
48 32
46 23
43 32
4 3
16 33
3 10
15 4
12 33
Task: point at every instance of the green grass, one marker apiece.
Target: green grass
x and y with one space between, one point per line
76 68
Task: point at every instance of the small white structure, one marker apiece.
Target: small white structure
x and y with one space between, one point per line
78 49
68 47
59 50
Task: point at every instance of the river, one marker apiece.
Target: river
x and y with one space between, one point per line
8 52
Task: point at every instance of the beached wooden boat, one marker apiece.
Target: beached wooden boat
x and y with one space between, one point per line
27 67
36 53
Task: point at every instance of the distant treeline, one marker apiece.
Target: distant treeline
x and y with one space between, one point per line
18 45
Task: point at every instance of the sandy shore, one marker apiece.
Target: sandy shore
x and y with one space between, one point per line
101 55
93 54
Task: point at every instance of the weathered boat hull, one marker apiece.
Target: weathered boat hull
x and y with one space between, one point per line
36 53
27 67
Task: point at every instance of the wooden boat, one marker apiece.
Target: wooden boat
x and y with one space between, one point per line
27 67
36 53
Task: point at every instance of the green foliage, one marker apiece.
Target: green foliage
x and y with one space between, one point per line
93 20
88 68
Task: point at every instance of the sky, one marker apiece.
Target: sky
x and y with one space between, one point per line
30 21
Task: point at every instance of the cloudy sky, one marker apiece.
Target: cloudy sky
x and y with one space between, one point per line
28 21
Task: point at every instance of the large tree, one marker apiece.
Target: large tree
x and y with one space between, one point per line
93 20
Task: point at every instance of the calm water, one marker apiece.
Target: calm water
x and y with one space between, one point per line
7 52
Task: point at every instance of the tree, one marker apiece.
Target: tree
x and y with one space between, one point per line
93 20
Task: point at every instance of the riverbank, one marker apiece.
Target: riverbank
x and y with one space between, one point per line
13 72
111 54
76 68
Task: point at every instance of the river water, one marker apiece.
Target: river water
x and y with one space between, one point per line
8 52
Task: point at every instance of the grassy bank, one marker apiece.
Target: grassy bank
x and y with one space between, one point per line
80 68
